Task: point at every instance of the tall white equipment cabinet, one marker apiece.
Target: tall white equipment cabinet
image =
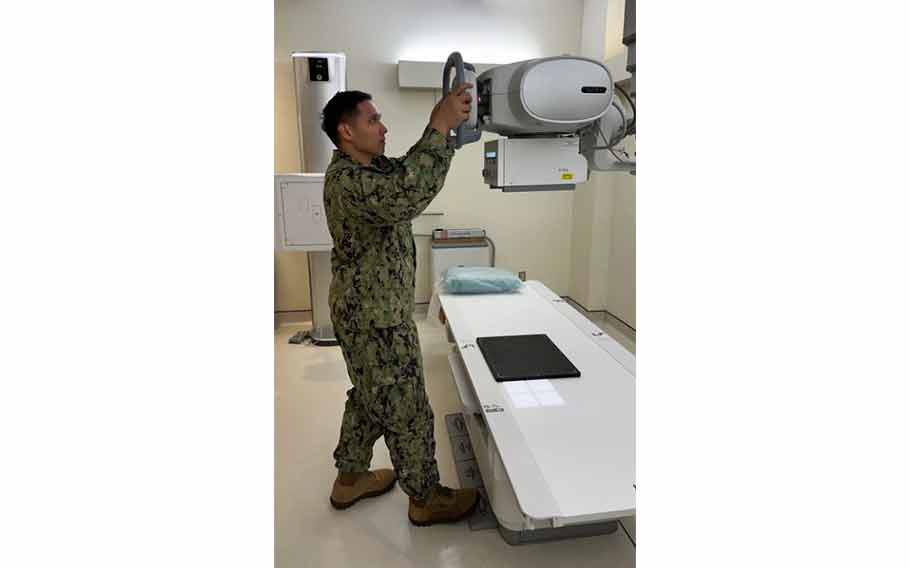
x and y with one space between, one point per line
317 77
299 211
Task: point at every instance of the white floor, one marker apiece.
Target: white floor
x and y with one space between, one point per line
310 395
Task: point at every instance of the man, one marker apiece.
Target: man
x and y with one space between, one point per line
370 201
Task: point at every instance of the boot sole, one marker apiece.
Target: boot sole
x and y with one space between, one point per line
460 518
342 506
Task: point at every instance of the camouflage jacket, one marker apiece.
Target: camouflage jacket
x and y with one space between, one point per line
369 211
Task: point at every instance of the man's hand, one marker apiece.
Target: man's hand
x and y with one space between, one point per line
452 110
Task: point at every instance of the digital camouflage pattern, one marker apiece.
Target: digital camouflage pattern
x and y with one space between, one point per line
369 211
389 398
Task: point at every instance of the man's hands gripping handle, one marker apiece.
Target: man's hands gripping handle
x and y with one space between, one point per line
457 105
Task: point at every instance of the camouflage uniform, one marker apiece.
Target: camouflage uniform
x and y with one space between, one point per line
369 211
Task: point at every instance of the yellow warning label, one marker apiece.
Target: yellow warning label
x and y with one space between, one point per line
567 176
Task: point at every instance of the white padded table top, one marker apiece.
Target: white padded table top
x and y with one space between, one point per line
568 445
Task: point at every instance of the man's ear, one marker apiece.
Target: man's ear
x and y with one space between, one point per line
345 132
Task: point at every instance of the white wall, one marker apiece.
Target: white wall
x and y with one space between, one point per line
620 258
532 230
603 233
581 244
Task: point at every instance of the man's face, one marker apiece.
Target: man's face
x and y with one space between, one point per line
367 130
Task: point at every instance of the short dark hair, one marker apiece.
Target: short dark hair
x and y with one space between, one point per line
341 108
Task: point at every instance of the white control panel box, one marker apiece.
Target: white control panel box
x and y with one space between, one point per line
534 164
300 222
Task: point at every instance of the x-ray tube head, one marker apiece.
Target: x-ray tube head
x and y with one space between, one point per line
553 95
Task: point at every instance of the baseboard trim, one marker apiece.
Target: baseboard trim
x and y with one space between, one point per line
292 317
608 312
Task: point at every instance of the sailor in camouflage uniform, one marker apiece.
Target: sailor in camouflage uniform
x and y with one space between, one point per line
370 201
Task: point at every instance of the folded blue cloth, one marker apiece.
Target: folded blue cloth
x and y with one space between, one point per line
479 280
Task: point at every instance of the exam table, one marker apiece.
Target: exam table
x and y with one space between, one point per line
557 457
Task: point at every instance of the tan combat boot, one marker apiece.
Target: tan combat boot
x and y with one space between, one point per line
352 487
443 505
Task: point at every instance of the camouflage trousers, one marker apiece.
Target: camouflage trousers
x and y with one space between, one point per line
389 399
